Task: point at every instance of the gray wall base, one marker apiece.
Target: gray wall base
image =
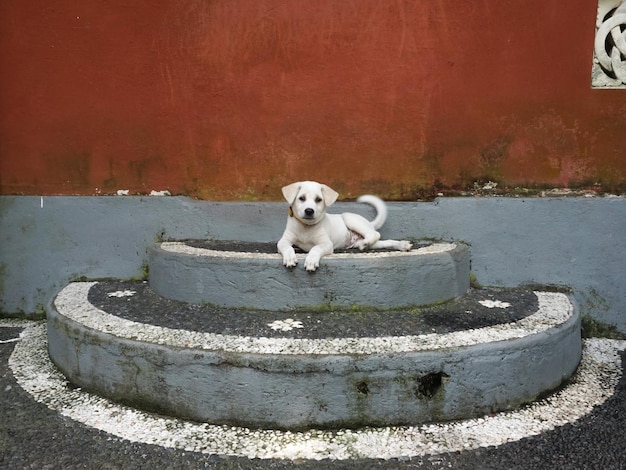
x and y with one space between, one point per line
578 242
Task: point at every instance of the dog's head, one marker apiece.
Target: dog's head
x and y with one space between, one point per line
308 200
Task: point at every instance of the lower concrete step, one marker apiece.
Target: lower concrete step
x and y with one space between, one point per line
490 350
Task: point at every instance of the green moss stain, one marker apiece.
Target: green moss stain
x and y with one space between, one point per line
474 284
592 328
591 305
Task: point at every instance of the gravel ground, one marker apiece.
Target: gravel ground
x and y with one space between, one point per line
35 436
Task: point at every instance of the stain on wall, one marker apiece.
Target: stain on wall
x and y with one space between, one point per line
231 100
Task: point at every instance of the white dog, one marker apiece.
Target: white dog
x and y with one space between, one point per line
311 229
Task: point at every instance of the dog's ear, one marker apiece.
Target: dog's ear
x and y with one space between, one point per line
291 191
330 195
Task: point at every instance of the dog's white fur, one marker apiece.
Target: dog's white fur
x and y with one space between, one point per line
311 229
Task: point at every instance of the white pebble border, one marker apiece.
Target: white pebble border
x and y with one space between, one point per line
180 247
72 302
592 385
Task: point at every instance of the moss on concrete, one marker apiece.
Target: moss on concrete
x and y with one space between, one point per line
592 328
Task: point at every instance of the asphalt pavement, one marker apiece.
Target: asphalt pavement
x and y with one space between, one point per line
34 436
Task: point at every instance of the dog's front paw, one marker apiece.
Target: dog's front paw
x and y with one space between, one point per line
405 245
290 260
361 245
311 263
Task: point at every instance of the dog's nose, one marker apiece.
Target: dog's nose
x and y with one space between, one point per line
309 212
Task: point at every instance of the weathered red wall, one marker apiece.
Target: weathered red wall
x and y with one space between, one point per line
230 99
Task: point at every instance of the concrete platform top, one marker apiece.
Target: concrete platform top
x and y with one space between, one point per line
248 250
478 308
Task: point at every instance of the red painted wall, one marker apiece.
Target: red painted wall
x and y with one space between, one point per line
231 99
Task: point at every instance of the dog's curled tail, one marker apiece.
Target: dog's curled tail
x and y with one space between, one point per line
379 205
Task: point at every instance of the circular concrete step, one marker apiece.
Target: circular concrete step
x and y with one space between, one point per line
490 350
254 277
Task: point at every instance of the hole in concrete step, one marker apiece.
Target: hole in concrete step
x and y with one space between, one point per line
363 388
430 384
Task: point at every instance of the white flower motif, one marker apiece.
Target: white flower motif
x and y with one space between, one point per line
285 325
494 303
122 293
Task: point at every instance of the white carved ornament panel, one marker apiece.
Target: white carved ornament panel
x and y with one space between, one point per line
609 52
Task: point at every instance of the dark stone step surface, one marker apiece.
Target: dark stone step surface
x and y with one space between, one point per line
464 313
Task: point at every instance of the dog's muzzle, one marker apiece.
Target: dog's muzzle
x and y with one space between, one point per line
308 219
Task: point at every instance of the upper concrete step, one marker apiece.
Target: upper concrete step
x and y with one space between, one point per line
489 350
251 275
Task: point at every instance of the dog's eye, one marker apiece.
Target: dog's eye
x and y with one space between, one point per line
318 199
302 198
